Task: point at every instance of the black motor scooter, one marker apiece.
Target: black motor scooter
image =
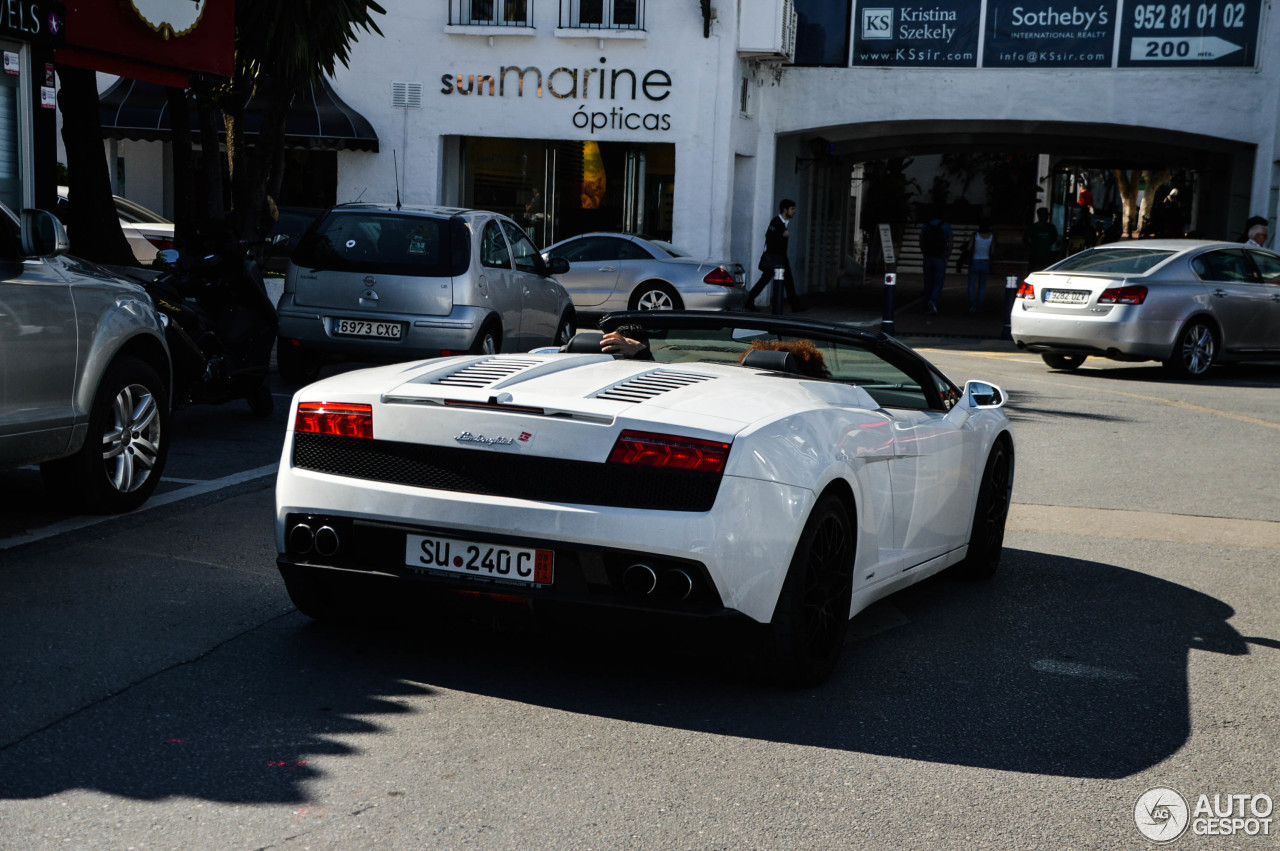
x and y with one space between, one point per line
219 321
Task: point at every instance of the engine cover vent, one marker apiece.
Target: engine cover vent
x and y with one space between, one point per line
651 384
485 372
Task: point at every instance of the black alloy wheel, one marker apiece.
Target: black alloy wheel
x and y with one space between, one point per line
986 541
807 633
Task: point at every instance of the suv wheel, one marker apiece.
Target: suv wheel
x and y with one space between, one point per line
124 451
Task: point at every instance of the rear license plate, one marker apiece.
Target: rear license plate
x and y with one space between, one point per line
1066 296
490 562
365 328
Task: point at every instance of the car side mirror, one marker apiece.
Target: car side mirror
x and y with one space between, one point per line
43 234
558 265
167 257
977 395
980 394
279 239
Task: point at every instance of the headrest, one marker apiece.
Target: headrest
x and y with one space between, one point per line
776 361
584 343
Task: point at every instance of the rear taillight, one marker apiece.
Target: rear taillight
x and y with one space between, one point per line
1026 290
719 276
1123 295
334 418
670 452
162 243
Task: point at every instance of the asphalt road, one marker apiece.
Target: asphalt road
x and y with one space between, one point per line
161 692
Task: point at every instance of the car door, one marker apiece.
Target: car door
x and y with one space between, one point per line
498 281
539 293
930 473
593 270
1239 300
1269 273
38 354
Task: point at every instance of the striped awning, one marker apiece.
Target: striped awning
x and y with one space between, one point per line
318 118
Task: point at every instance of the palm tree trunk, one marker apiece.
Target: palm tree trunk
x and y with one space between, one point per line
92 222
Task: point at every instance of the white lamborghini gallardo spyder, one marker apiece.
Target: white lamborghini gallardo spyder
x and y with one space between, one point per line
781 472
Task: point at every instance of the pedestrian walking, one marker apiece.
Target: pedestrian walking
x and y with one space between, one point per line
935 245
776 238
1041 240
977 254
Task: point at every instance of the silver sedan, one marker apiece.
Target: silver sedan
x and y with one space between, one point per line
1187 303
618 271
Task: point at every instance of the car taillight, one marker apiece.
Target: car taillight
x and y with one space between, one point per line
1026 290
719 276
334 418
669 451
1123 295
162 243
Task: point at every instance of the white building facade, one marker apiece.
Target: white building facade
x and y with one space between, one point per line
690 121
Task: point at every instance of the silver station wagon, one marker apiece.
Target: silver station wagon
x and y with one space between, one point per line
381 283
1187 303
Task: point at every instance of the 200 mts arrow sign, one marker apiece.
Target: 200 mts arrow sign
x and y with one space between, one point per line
170 18
1165 49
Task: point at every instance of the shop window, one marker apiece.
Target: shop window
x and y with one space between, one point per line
496 13
10 177
602 14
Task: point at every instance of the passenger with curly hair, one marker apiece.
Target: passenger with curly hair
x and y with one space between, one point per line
808 359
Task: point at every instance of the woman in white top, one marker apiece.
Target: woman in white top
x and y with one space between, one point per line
980 250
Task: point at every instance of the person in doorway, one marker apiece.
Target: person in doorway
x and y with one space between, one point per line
979 253
935 245
1041 240
1257 236
775 256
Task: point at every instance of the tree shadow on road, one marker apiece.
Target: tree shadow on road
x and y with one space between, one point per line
1057 666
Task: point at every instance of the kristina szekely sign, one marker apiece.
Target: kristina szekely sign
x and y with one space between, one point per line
1055 33
611 98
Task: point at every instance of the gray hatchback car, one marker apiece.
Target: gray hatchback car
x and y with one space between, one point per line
84 370
382 283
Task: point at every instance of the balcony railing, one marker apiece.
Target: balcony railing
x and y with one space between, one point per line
491 13
602 14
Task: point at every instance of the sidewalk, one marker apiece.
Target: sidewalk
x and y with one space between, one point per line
864 306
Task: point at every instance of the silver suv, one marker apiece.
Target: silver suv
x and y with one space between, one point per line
84 370
382 283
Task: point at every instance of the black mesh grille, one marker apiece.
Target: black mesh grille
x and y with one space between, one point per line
505 474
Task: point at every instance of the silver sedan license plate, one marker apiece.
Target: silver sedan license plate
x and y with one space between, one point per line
365 328
1066 296
491 562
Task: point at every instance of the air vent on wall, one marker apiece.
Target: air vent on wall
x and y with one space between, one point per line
406 95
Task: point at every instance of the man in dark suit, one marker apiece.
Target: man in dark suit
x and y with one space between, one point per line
775 255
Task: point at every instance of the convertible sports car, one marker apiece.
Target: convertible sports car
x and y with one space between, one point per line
779 473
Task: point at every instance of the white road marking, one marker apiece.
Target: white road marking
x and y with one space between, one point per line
75 524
